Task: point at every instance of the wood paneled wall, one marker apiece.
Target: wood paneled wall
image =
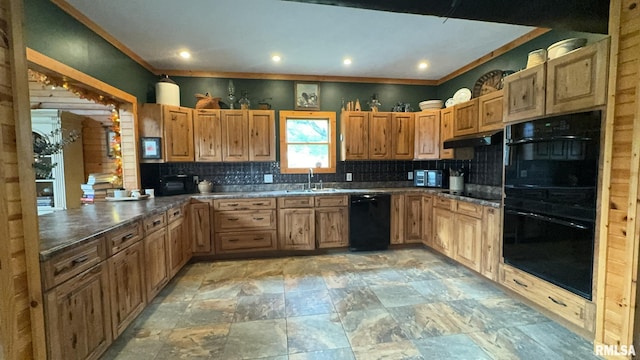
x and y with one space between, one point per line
129 138
619 233
21 315
94 140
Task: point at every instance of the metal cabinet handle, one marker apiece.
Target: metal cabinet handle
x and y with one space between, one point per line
157 222
258 239
520 283
176 213
79 260
232 240
258 204
233 205
260 218
233 219
127 237
557 301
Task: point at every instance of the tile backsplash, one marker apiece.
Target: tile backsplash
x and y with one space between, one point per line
484 169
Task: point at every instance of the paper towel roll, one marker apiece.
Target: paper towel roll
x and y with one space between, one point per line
167 92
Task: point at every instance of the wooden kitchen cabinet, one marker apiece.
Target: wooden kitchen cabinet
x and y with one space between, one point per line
491 110
446 132
235 135
332 221
156 257
427 135
174 124
296 229
380 140
78 316
443 230
207 135
354 132
178 255
397 218
244 225
413 225
524 94
491 250
427 220
467 241
465 120
402 136
126 280
262 135
200 218
577 80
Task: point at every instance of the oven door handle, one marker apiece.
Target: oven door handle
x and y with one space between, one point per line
530 140
547 218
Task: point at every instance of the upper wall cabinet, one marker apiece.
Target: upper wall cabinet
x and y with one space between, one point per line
174 124
465 120
262 135
427 139
402 135
380 136
376 135
248 135
207 135
572 82
578 80
490 107
354 132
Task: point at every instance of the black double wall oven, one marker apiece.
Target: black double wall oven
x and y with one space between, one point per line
551 177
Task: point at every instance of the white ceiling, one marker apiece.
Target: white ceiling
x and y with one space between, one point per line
242 35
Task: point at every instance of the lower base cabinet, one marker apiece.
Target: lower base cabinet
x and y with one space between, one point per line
126 276
177 252
200 227
296 229
78 316
443 231
156 262
332 227
467 241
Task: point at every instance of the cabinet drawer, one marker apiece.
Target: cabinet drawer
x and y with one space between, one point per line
332 201
72 262
244 204
153 223
245 241
123 237
444 203
175 213
468 208
295 202
245 220
571 307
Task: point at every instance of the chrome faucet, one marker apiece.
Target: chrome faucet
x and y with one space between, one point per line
310 176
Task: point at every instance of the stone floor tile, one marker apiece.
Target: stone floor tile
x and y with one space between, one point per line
137 344
342 279
352 299
303 283
426 320
473 287
160 316
370 327
256 339
378 277
458 346
397 295
204 312
224 289
313 302
263 285
315 333
331 354
400 350
512 343
437 290
260 307
203 342
560 340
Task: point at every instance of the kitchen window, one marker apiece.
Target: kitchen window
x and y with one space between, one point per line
307 140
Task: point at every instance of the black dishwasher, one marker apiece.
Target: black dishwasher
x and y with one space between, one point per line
369 222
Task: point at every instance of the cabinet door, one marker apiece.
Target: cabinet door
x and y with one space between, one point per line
468 240
466 118
200 216
187 246
262 135
397 219
578 80
126 278
77 316
207 135
175 232
235 135
524 93
413 219
443 226
446 132
402 130
379 136
491 240
354 127
296 229
491 111
332 227
427 131
427 220
156 262
178 133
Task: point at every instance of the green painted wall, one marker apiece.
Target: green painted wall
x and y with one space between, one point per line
515 59
51 31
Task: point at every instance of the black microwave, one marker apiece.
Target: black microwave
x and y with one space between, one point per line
177 184
429 178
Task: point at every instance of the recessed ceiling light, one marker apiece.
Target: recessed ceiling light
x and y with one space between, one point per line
422 65
276 58
185 54
347 61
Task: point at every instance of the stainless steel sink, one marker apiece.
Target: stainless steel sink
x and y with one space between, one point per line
312 190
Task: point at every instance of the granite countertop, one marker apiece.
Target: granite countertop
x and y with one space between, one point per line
63 230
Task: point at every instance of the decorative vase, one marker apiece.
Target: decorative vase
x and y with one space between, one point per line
232 95
244 101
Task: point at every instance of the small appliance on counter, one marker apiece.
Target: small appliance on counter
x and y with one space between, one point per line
429 178
176 185
456 182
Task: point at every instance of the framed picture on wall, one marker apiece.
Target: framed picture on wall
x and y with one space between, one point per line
111 141
307 95
150 148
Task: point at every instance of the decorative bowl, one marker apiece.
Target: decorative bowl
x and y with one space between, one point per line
562 47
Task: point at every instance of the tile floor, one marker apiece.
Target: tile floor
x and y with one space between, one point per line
397 304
